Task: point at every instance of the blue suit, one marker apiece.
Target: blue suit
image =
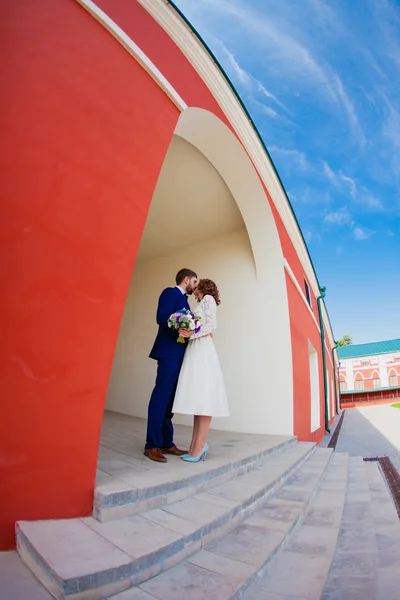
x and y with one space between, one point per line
169 354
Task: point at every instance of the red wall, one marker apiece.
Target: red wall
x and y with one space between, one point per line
302 329
85 131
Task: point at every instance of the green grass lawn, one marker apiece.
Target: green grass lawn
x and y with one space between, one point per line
397 405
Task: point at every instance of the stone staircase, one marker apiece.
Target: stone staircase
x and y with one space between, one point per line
157 527
348 546
298 523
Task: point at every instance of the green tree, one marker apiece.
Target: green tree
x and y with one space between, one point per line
345 341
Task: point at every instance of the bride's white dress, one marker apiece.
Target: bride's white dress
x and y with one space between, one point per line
201 388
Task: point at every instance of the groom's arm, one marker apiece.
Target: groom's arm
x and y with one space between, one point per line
166 307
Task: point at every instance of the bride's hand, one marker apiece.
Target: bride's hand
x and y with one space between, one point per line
184 333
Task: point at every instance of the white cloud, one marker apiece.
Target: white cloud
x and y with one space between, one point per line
351 183
294 156
360 194
295 58
250 83
270 112
240 73
361 233
308 235
268 94
339 217
370 201
350 111
391 126
329 174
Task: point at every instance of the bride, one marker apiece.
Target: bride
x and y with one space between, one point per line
201 390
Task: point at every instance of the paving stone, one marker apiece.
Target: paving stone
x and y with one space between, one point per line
274 517
389 582
80 550
221 564
358 496
170 521
17 582
316 541
356 540
247 544
324 517
297 574
135 535
265 595
236 489
217 500
189 581
329 499
196 510
348 563
293 494
388 550
133 594
344 587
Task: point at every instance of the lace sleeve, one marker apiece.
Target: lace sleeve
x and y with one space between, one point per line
210 318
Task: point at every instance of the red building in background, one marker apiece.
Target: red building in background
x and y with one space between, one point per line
369 372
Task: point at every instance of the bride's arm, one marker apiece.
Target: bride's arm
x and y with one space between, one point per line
210 318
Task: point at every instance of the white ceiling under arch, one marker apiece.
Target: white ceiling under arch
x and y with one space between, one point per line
191 202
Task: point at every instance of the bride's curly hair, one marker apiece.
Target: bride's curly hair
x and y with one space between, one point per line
208 287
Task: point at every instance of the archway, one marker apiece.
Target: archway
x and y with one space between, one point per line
209 212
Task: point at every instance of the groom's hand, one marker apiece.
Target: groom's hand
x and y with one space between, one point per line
185 333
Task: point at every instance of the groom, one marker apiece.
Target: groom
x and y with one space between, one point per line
169 355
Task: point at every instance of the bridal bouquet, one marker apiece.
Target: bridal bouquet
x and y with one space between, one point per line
184 319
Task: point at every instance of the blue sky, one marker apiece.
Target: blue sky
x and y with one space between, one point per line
321 80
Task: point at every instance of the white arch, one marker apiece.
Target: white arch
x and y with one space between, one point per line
272 342
390 371
377 372
358 373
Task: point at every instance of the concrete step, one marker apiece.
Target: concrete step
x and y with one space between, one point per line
121 492
366 563
83 558
348 547
300 569
226 567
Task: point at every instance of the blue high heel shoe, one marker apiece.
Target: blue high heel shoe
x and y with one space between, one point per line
201 456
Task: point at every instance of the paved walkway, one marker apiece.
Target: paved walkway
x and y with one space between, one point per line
17 582
370 431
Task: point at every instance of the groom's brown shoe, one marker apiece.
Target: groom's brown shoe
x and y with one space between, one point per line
155 454
174 451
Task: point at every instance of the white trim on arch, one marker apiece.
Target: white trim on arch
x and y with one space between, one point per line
393 369
358 373
377 372
134 51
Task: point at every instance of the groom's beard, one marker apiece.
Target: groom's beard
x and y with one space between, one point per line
189 291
